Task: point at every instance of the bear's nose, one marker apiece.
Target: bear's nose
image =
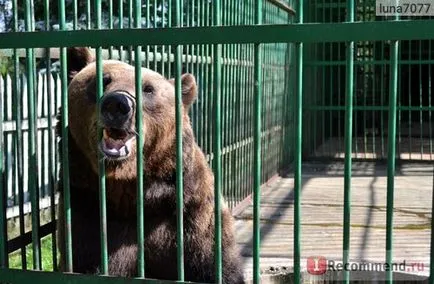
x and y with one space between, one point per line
116 108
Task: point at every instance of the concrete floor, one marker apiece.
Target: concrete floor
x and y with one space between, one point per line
322 216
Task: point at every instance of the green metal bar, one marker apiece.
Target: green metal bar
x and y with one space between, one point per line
154 4
431 263
75 10
148 25
169 25
140 142
297 154
65 147
110 25
370 108
349 90
88 15
163 48
179 152
225 114
17 103
217 145
420 96
284 6
33 183
307 33
257 148
130 25
382 98
430 84
101 163
121 26
3 194
363 62
51 149
409 82
179 164
324 74
391 156
374 101
224 92
17 276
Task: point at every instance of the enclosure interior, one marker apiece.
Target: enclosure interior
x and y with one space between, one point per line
323 128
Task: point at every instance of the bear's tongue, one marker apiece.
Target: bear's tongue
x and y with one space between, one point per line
114 147
113 144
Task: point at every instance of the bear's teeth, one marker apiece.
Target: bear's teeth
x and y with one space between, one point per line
123 151
116 147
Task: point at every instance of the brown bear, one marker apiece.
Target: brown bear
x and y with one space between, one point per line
116 116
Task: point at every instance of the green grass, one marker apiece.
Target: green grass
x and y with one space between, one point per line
46 255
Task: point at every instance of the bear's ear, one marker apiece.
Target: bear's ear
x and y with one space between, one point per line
78 58
189 88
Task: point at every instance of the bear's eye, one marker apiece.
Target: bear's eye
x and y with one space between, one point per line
148 90
106 79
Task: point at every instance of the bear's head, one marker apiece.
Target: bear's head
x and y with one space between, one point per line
117 111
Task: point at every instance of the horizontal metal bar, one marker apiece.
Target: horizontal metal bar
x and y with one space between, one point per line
330 32
284 6
42 123
45 202
157 56
365 61
369 108
24 240
17 276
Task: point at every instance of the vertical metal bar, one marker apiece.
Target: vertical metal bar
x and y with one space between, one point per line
139 145
17 96
223 85
121 26
179 165
391 156
130 25
101 163
349 89
324 72
65 152
373 66
110 26
154 4
163 48
257 148
148 25
217 144
33 184
410 112
430 85
420 100
169 48
431 263
364 56
3 221
88 15
51 173
382 101
75 10
297 155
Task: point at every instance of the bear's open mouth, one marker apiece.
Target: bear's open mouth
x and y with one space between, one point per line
116 143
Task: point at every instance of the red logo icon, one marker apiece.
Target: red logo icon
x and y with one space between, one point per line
316 265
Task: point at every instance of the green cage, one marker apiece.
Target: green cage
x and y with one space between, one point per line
314 116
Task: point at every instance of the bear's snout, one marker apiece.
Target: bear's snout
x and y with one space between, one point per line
117 110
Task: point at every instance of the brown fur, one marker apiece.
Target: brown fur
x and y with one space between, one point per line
159 184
